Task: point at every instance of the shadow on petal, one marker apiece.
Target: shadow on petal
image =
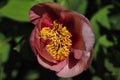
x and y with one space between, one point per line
73 69
72 21
72 61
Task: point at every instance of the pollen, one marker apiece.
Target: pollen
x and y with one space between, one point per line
60 42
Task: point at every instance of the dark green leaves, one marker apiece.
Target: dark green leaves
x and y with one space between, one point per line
76 5
4 48
101 17
115 21
105 42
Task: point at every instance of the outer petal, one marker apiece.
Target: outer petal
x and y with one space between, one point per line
34 18
37 11
71 70
43 62
55 67
88 36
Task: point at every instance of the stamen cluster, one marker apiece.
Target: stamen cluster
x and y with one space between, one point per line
60 42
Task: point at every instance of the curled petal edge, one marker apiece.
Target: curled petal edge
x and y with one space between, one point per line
55 67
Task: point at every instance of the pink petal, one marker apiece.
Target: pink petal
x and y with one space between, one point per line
32 39
51 66
73 22
88 36
90 59
77 53
38 47
37 11
59 65
79 67
43 62
45 21
80 28
34 18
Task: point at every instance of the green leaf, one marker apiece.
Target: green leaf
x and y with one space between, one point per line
65 79
96 50
18 38
92 70
17 48
109 66
95 27
82 6
115 70
76 5
117 73
105 42
4 51
32 75
114 19
101 17
19 9
98 2
43 1
96 78
19 43
14 73
2 73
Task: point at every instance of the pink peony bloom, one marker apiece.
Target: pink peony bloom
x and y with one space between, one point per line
62 40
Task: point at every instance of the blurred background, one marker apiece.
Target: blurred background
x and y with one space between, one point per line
18 62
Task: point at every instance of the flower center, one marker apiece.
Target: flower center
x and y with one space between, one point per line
60 42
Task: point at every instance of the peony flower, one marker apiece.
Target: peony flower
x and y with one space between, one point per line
62 40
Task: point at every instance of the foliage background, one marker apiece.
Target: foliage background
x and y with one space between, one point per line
18 62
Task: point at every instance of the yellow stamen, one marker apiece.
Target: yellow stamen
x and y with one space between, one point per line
60 42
